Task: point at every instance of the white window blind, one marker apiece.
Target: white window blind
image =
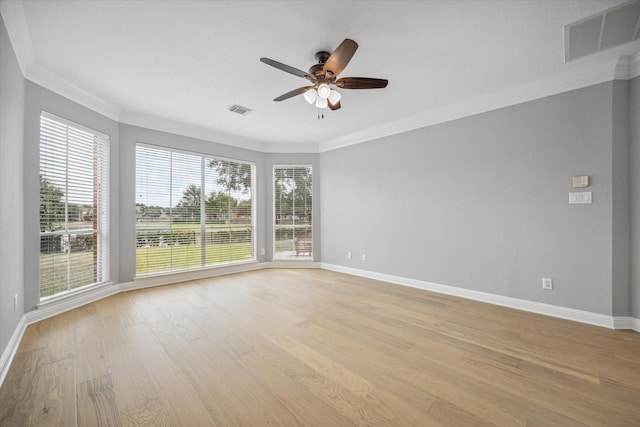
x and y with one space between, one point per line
293 225
74 210
192 210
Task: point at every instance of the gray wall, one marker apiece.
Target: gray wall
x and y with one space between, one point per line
11 189
38 99
621 205
634 114
482 202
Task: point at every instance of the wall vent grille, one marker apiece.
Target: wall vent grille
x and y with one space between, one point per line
607 29
240 109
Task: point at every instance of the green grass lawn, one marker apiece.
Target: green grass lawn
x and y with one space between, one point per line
54 267
172 258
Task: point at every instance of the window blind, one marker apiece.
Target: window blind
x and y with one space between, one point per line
192 210
74 206
293 222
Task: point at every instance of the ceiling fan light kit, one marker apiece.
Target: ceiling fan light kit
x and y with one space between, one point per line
311 95
323 90
334 97
324 74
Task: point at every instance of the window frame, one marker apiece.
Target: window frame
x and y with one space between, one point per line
293 258
204 157
101 200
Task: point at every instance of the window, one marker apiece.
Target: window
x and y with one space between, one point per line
192 210
292 212
74 206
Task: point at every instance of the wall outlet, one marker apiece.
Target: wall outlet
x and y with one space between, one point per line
547 283
348 254
15 302
364 257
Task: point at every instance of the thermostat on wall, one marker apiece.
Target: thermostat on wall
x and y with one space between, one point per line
580 181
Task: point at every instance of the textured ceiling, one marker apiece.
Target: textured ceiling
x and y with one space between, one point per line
187 62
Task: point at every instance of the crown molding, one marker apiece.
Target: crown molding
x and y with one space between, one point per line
634 66
291 148
627 67
46 78
622 70
161 124
16 23
572 79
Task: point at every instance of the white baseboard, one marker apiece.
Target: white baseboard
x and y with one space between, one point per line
292 264
626 322
167 279
581 316
60 305
12 347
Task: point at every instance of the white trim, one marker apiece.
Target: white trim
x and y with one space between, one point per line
46 78
292 264
622 322
622 70
60 305
634 66
161 124
566 32
291 147
12 347
566 313
184 276
563 82
16 23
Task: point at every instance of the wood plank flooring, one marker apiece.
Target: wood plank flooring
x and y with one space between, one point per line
316 348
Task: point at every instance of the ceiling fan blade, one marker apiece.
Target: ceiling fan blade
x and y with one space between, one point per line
293 93
340 57
289 69
361 83
335 106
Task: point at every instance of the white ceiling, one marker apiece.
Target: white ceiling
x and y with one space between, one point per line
179 65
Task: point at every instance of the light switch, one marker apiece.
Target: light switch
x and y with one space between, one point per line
581 197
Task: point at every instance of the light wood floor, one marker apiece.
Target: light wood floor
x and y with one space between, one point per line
316 348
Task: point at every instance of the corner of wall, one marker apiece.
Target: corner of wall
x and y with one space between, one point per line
634 156
620 199
12 104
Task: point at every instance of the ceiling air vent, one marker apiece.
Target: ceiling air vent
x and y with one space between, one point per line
240 109
607 29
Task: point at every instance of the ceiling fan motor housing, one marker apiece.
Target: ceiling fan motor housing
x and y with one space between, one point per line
321 57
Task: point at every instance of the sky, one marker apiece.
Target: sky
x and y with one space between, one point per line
153 180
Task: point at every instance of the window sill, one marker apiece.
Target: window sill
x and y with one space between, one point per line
78 292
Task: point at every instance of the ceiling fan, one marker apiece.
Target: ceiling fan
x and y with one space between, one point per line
324 76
